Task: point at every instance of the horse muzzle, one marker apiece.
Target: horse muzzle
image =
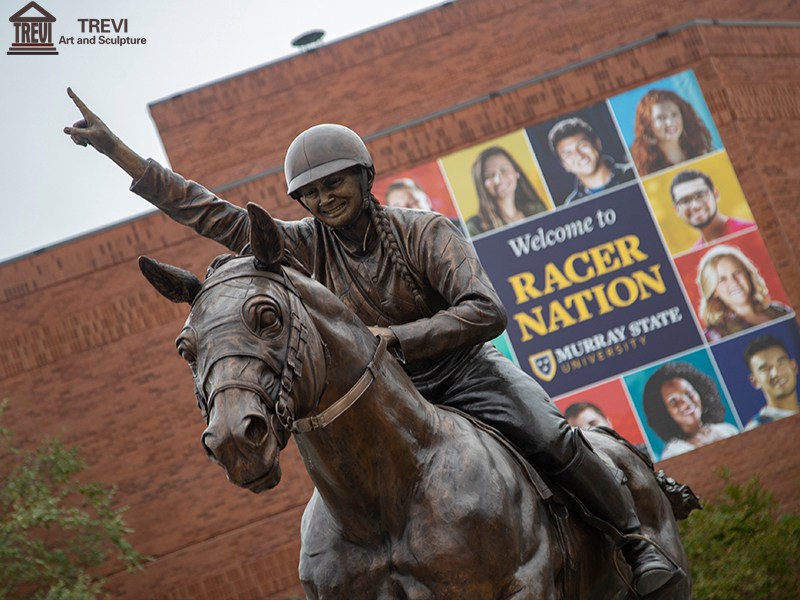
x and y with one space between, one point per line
241 437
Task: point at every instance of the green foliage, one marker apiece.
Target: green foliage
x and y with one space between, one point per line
739 547
53 527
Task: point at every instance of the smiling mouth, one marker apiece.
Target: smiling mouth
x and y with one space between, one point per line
335 209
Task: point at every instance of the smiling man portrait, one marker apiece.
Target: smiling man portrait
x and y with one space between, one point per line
695 199
773 372
580 151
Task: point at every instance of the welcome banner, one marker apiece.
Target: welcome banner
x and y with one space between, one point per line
638 288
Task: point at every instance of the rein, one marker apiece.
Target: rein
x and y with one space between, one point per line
338 408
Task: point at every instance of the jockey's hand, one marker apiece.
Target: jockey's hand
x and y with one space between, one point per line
387 334
90 130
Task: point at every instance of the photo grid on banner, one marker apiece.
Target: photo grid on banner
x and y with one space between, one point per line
639 290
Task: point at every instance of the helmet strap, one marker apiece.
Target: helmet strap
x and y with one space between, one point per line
366 175
296 198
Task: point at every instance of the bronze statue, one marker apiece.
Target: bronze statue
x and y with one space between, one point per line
411 501
415 281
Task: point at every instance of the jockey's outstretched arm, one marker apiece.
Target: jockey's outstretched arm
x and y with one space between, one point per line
184 201
92 131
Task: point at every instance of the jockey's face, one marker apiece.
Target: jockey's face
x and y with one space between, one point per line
336 199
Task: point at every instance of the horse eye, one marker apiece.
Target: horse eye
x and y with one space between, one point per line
262 317
186 350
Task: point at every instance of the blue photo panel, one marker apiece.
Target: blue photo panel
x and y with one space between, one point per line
590 291
581 154
760 368
681 404
666 122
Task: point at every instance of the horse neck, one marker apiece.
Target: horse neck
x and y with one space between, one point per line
365 463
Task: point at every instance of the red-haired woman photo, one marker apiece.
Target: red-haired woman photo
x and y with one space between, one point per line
667 131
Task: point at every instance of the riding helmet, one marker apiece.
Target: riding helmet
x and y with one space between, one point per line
323 150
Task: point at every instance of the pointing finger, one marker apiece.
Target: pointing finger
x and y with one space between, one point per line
80 104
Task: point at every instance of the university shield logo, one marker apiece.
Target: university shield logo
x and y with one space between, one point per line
543 365
33 31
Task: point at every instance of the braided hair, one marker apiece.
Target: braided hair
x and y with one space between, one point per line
388 240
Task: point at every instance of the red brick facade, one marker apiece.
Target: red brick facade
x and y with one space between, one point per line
86 348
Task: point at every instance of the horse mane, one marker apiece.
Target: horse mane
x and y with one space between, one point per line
335 309
218 261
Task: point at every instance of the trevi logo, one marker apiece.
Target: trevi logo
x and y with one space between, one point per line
33 31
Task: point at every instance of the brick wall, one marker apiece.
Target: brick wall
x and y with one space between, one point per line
86 348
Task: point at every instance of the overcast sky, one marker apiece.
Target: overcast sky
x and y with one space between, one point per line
54 190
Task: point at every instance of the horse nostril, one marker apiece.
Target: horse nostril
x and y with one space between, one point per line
256 430
204 440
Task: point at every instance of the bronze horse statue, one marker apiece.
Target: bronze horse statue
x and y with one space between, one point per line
411 501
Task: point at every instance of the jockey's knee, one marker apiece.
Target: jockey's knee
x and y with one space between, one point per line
550 444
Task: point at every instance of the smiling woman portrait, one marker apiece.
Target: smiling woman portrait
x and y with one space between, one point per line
683 406
505 194
667 131
733 294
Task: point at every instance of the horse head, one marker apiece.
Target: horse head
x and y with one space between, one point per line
253 350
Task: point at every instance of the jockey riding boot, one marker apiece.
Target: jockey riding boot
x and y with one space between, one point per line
609 501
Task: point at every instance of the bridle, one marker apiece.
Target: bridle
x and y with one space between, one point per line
338 408
283 406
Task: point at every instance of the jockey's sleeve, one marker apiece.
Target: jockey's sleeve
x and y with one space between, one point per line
191 204
446 259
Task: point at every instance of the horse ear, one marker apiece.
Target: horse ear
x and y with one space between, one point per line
175 284
266 240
